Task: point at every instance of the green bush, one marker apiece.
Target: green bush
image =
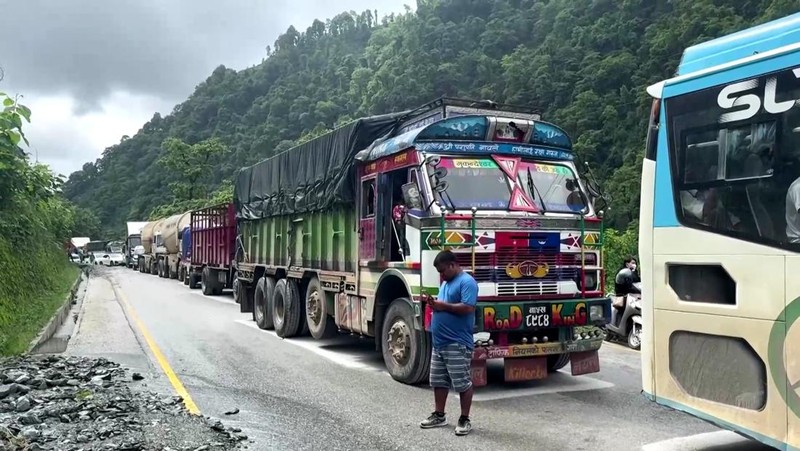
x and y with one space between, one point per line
616 246
35 221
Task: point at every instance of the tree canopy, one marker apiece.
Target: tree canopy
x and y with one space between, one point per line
585 64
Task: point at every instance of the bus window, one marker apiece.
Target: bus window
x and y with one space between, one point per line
734 168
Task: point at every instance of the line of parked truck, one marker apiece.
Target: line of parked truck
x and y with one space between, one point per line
195 247
339 235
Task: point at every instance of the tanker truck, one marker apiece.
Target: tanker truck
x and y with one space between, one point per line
168 244
147 257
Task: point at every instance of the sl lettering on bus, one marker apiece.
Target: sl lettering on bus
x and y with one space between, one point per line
578 318
727 99
491 321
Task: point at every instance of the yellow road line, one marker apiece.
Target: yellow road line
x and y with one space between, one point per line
162 361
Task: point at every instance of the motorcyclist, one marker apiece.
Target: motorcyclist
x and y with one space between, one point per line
627 279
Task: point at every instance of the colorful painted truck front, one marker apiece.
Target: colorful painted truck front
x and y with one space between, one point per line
208 249
320 251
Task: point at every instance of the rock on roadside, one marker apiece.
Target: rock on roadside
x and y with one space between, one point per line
76 403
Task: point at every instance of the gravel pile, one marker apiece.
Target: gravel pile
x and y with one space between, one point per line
75 403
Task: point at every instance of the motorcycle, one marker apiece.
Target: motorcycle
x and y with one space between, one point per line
626 323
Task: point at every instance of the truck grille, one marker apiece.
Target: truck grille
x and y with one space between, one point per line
492 267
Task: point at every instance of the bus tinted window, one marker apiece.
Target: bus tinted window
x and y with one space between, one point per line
735 155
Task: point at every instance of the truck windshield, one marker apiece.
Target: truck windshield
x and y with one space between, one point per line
134 241
476 183
553 187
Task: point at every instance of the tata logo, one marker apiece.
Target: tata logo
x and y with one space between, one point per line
749 105
527 268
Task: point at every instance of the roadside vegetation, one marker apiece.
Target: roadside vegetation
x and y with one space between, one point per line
35 221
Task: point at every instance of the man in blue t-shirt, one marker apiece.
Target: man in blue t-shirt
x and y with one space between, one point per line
451 328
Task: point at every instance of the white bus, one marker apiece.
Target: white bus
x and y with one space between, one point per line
720 235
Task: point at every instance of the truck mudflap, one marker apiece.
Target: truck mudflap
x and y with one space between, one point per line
526 362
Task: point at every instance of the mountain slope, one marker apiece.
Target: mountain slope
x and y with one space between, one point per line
585 66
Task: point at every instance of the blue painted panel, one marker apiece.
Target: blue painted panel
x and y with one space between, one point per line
469 128
664 204
759 39
550 135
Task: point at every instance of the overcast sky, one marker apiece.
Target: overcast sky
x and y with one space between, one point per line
94 70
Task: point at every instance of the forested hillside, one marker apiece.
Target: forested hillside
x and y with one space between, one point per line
584 63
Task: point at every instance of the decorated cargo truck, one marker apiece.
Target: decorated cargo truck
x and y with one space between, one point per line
209 249
320 253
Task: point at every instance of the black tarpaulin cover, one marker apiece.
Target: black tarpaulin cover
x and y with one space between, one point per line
310 177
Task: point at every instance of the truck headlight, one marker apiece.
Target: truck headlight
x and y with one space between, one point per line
596 312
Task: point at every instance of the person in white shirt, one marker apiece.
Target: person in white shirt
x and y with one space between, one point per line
793 212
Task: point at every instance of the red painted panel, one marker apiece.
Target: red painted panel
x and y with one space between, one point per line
478 371
214 236
392 162
367 241
584 362
526 369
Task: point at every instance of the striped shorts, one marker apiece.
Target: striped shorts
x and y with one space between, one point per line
450 367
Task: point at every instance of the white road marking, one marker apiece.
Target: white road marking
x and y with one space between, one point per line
340 358
726 440
555 383
220 299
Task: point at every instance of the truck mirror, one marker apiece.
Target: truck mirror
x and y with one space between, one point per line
411 195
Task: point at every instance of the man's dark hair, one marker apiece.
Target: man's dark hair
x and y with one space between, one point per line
445 257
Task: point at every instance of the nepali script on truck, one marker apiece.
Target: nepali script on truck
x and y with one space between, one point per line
719 236
320 251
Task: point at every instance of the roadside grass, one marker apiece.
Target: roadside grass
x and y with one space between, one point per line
33 285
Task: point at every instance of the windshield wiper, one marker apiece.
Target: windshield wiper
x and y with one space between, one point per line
533 191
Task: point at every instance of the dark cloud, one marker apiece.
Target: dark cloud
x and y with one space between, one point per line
89 48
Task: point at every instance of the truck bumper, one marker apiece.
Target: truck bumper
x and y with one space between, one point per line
527 362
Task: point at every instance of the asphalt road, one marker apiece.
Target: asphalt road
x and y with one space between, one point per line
300 394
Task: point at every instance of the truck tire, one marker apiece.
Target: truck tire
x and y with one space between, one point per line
262 308
194 280
206 282
320 323
185 275
556 361
173 274
286 308
406 351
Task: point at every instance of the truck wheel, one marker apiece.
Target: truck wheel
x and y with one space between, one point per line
556 361
194 280
286 308
173 274
320 323
205 282
406 351
185 275
262 310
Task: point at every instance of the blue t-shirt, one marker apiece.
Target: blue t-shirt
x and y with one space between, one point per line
446 327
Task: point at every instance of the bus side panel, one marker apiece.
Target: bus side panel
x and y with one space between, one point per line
791 350
646 261
690 249
318 240
741 410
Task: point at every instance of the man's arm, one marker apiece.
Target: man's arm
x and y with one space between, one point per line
469 298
